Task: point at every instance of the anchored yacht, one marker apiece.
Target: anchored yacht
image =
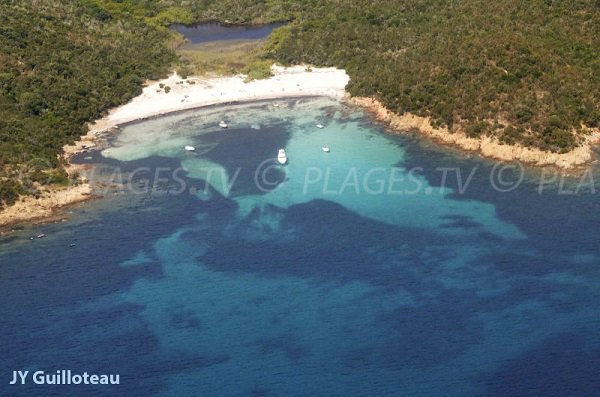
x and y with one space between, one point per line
281 156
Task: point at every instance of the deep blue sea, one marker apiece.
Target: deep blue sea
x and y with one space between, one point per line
387 267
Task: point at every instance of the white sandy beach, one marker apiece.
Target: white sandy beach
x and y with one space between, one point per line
196 92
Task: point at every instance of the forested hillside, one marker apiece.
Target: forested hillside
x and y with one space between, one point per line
61 65
525 71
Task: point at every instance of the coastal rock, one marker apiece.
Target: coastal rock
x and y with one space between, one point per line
487 146
30 208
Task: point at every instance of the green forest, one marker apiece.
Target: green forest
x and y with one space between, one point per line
525 72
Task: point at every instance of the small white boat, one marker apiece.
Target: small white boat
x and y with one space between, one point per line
189 148
276 105
41 235
326 149
320 126
223 124
281 156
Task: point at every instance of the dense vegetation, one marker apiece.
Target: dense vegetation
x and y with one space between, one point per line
526 72
62 64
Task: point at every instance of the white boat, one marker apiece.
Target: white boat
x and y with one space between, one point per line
190 148
281 156
320 126
41 235
223 124
326 149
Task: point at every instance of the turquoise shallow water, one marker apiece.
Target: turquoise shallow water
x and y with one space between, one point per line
363 271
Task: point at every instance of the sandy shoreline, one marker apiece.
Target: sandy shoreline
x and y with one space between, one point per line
183 94
175 94
486 146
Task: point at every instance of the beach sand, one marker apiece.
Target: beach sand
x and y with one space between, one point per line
195 92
